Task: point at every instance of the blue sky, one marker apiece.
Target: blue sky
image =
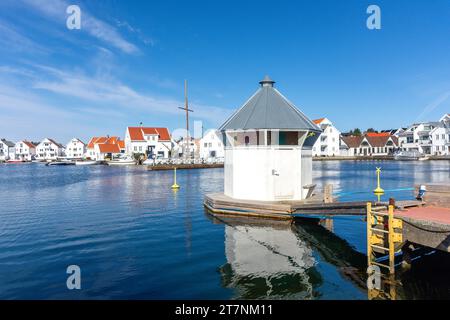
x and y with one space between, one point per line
128 62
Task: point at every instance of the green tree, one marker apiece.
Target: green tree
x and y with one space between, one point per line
357 132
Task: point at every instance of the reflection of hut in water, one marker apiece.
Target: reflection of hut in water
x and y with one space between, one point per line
276 259
268 261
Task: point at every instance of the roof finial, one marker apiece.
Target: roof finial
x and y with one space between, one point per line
266 82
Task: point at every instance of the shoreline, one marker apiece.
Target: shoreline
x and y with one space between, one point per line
377 158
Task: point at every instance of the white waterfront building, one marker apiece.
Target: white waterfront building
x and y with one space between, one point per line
25 150
328 143
150 141
369 144
7 150
211 145
430 138
268 148
49 149
181 147
75 149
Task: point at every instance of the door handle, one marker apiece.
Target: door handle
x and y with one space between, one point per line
275 173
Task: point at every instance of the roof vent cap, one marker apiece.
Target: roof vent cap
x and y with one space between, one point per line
266 82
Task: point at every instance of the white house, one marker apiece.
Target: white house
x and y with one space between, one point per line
75 149
104 151
49 149
370 144
151 141
25 150
211 145
268 150
7 150
93 152
181 147
328 143
428 138
440 142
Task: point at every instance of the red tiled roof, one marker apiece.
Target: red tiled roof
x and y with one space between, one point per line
98 140
137 133
376 134
29 144
318 121
121 144
108 148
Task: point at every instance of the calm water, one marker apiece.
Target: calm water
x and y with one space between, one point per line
135 239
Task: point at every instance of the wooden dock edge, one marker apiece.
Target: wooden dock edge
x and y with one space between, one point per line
229 212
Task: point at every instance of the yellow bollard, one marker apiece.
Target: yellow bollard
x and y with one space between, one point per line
378 190
175 186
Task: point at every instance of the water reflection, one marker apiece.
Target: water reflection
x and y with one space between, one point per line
273 259
267 261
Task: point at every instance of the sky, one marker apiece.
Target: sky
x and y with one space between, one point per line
128 62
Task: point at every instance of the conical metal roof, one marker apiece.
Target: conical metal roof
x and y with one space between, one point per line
268 109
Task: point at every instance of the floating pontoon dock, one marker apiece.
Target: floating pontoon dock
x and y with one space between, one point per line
220 204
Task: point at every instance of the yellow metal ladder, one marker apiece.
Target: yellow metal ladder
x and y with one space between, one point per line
384 238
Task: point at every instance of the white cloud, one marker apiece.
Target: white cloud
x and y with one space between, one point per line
11 39
114 93
56 10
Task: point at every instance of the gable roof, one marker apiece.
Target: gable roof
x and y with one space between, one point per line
318 121
28 143
268 109
108 148
55 143
97 140
375 140
352 141
8 143
77 140
137 133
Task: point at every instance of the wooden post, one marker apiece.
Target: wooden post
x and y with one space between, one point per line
328 193
391 240
369 234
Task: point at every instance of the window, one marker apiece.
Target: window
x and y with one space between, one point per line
288 138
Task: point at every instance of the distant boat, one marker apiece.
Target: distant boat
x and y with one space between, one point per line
122 162
15 161
60 163
148 162
409 155
86 163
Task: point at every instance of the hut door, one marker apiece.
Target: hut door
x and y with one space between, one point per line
283 181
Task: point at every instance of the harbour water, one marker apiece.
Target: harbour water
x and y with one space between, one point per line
134 238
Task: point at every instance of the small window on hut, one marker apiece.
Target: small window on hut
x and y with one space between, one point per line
288 138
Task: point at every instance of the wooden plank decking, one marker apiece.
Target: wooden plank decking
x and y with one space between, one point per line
218 203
